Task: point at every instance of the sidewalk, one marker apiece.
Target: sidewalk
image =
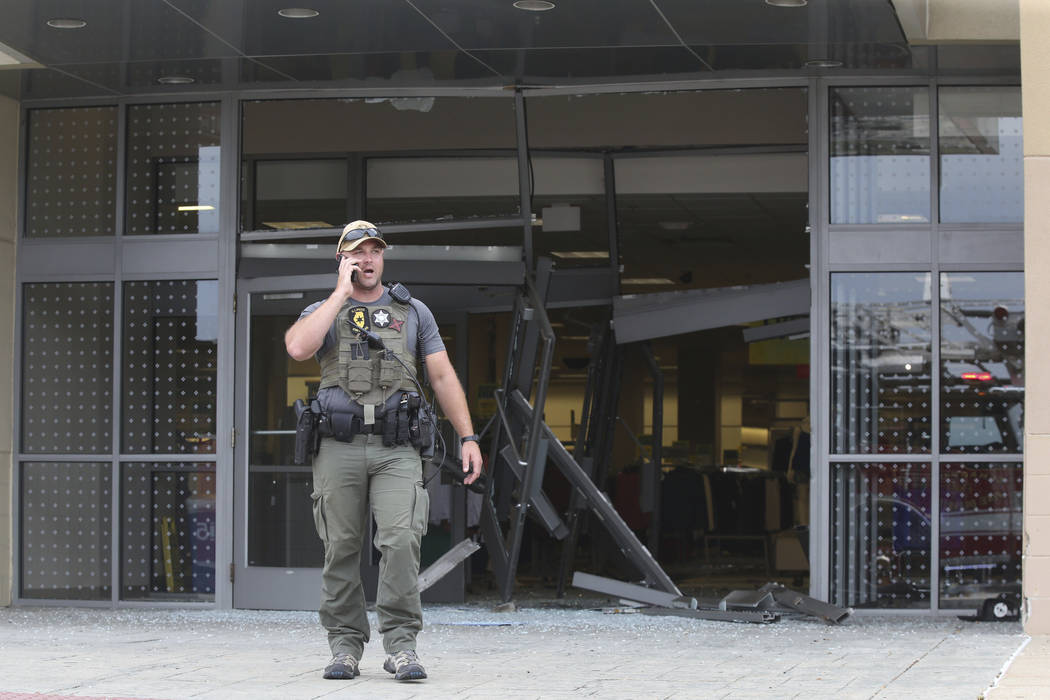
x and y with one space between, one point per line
472 652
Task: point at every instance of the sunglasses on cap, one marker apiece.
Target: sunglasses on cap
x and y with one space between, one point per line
357 234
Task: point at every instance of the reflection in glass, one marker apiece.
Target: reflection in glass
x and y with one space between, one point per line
297 194
880 540
281 529
169 381
70 179
65 530
880 155
980 536
173 168
982 159
168 531
982 362
880 362
67 367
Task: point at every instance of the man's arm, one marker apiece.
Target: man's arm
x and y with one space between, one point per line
453 402
306 335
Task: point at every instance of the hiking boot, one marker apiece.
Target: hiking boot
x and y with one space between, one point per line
342 667
405 666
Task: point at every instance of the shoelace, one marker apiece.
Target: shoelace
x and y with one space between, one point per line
404 657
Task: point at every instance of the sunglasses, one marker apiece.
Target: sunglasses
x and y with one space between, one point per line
354 235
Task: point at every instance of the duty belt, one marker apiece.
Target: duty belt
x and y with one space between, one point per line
353 425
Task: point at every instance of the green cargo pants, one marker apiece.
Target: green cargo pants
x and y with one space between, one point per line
347 477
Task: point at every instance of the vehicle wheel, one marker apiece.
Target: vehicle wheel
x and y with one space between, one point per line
995 610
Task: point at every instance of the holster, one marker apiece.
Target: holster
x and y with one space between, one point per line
307 436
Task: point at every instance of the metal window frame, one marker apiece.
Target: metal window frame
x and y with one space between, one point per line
821 496
181 246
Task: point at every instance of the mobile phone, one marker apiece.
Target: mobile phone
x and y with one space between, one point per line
353 276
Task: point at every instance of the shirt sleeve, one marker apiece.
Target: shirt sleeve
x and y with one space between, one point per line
329 337
428 329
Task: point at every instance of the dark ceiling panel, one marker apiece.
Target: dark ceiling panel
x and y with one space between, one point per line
360 26
487 24
756 22
554 65
396 69
115 31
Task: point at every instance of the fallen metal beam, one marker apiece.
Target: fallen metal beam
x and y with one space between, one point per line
756 616
775 597
446 563
630 591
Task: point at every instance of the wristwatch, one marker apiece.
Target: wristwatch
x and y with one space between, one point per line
469 438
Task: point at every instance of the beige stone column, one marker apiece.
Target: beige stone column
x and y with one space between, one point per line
1035 90
9 116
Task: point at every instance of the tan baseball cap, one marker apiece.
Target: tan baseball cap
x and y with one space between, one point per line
357 231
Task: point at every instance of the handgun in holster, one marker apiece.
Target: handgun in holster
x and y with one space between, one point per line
307 434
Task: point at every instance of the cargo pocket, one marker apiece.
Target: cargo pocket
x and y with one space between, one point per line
358 376
421 511
319 520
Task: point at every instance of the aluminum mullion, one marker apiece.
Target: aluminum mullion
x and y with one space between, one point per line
117 433
226 364
611 218
16 434
820 574
935 347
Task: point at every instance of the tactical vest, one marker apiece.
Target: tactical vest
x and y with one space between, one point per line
366 374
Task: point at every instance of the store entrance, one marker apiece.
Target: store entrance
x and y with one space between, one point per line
277 553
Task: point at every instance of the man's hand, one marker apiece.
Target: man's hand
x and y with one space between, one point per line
345 284
471 453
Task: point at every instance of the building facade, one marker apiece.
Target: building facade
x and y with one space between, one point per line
863 177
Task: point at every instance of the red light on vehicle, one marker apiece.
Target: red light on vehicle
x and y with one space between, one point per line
977 376
1001 313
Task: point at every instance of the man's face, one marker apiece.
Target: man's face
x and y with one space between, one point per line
368 257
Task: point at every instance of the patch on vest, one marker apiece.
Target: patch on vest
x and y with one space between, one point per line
396 324
358 316
380 318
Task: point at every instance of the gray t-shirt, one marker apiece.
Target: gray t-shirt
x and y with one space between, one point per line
420 325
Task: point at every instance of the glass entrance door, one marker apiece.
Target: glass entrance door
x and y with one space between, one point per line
277 554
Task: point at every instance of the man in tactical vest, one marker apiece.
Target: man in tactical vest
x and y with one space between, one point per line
372 424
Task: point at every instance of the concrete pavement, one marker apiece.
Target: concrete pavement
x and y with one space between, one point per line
541 652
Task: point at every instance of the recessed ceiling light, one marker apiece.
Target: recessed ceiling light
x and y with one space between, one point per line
66 23
298 12
823 63
787 3
534 5
175 80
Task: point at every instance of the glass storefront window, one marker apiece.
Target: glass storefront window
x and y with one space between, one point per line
980 534
168 531
72 166
880 155
982 159
173 168
982 362
881 538
298 194
169 366
880 362
65 530
67 368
